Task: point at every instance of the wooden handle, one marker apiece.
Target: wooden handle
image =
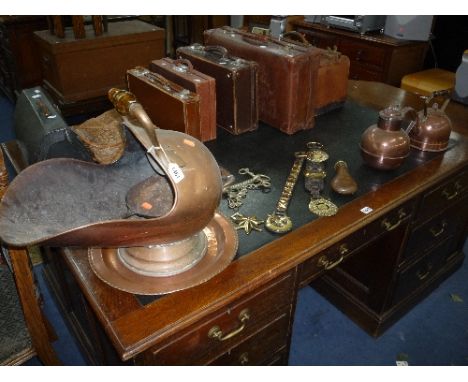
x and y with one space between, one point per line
59 30
98 25
78 27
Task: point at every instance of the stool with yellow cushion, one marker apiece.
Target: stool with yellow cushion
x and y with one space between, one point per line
428 81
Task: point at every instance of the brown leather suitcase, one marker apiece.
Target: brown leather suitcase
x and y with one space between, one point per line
332 78
236 85
80 69
287 76
169 105
332 81
182 73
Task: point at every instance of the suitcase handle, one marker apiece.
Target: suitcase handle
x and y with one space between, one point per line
299 36
183 65
217 49
258 40
159 80
167 85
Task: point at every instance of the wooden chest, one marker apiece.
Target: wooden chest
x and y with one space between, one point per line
79 69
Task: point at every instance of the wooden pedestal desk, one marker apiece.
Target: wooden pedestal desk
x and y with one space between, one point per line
373 266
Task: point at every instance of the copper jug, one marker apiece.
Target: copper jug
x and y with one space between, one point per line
385 145
432 131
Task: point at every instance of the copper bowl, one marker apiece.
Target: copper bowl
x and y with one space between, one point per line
382 162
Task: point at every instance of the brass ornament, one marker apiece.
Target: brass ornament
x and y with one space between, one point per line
279 222
315 174
322 207
247 223
235 193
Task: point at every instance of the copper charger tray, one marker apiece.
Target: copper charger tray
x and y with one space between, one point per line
222 247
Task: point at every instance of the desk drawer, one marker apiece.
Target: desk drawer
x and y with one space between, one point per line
391 220
452 222
363 73
257 350
225 329
424 269
337 253
331 257
443 196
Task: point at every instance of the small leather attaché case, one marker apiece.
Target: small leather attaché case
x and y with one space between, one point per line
169 105
181 72
287 76
332 81
332 78
236 85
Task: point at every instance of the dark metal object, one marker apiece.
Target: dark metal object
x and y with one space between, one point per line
38 124
385 145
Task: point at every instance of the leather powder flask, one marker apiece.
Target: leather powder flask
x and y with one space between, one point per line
385 145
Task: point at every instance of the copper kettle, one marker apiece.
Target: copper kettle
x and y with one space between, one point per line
385 145
433 129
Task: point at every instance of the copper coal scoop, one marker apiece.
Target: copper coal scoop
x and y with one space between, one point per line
149 219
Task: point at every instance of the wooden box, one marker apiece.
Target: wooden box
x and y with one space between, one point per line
79 69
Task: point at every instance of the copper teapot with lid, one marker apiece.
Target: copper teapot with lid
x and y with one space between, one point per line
432 131
385 145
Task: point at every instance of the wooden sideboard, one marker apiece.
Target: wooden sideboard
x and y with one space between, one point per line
373 56
374 266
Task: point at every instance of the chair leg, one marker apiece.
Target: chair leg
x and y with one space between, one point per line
32 312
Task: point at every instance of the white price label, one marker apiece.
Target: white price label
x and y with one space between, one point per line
366 210
175 172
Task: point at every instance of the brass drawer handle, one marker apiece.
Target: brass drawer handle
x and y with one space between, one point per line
436 233
449 196
422 275
327 264
244 358
343 250
216 333
387 224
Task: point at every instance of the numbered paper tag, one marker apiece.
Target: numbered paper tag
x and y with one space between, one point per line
366 210
175 172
